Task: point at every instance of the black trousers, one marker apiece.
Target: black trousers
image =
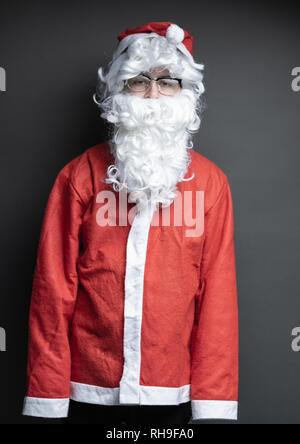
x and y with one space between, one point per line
83 413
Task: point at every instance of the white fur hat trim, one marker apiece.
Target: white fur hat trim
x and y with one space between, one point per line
175 33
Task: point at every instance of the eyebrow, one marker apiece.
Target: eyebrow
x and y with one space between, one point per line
157 78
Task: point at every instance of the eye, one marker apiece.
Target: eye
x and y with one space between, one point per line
137 82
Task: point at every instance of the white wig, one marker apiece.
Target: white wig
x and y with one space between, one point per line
142 52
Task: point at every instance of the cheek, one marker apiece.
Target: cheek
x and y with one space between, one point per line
139 94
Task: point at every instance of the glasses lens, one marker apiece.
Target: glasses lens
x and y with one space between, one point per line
138 83
169 86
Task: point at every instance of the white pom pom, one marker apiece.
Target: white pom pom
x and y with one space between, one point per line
175 33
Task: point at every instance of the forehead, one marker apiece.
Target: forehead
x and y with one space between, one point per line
158 71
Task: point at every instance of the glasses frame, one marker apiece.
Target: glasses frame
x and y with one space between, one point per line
154 80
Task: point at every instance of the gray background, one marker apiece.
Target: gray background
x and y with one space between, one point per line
51 52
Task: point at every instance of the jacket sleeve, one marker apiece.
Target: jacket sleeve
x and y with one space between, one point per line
214 341
53 297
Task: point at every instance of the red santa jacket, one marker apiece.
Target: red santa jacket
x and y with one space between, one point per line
136 312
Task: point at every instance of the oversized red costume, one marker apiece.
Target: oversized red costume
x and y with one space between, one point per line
134 313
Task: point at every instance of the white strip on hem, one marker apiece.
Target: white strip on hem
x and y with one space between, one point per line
149 395
214 410
46 407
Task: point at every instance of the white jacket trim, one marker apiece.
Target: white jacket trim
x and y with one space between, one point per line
46 407
136 249
214 410
149 395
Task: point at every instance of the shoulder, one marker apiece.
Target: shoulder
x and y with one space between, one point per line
80 166
208 169
83 170
209 176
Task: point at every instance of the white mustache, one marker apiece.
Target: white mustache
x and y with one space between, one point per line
167 113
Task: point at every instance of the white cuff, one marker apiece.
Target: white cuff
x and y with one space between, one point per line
214 410
46 407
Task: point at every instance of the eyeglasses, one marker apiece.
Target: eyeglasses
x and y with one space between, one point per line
166 85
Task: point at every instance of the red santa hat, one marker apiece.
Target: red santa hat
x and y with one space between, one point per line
183 39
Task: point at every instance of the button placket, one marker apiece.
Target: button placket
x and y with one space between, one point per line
134 283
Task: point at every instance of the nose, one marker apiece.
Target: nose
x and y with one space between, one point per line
152 92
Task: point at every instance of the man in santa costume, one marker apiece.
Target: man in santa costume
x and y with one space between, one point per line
134 314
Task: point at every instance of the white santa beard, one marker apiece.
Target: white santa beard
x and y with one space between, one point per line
151 145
